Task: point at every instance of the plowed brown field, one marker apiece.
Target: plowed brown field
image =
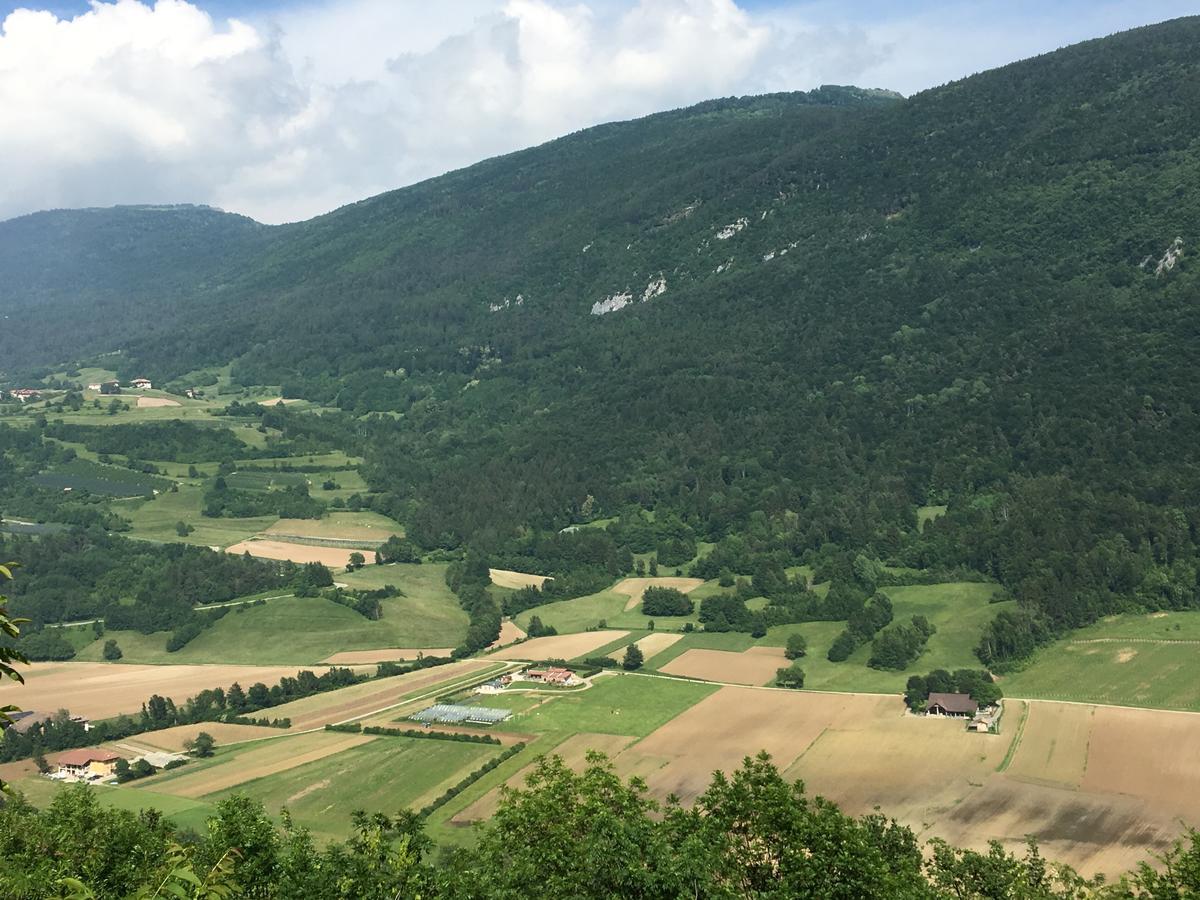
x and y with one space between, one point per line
562 646
100 690
756 666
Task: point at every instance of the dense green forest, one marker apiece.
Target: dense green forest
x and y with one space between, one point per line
822 311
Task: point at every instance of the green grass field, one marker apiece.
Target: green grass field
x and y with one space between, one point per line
185 813
959 610
386 775
155 520
1129 660
618 704
305 630
582 613
928 514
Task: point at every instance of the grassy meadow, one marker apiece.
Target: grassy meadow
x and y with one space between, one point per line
308 629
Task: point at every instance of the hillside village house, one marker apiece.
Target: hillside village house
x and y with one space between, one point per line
88 764
950 705
141 384
25 394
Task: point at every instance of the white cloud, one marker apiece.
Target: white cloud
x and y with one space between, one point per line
290 115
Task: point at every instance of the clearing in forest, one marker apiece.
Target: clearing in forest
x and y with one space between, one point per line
506 578
634 588
370 528
334 557
563 646
756 666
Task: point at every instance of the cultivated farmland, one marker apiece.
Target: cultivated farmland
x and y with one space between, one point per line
756 665
253 761
100 690
651 645
111 481
563 646
321 793
334 557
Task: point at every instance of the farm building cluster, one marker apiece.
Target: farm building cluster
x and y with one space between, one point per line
93 764
983 719
555 676
114 387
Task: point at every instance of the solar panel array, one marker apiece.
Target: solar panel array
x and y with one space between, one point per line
449 714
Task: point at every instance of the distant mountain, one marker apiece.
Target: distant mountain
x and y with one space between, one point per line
74 282
832 306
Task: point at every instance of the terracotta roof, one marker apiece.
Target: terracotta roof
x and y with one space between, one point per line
953 703
85 756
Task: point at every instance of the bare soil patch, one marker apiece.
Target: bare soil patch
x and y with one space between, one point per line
562 646
100 690
650 645
573 751
272 757
334 557
154 402
1125 655
756 666
361 657
510 632
635 587
506 578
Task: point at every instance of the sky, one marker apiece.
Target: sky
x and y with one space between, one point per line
285 109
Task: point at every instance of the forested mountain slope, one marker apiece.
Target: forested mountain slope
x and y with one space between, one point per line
798 316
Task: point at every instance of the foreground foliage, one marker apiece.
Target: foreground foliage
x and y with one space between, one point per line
566 834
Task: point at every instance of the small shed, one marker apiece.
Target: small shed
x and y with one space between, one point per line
950 705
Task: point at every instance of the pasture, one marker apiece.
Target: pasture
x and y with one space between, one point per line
369 528
303 630
155 520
